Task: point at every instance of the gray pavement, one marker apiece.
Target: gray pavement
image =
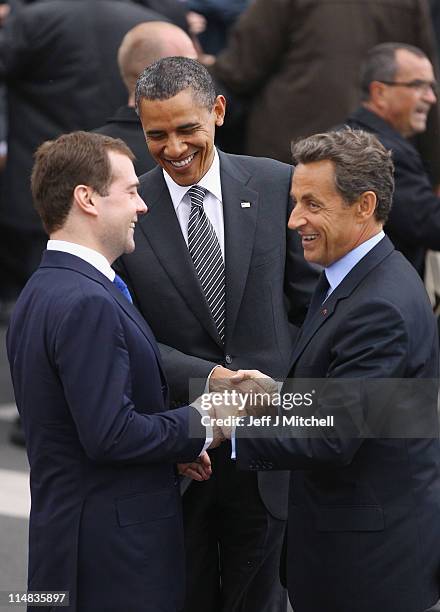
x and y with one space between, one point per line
14 496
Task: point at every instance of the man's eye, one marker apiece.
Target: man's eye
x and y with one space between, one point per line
313 205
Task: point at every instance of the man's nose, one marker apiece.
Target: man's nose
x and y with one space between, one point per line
296 218
142 208
174 147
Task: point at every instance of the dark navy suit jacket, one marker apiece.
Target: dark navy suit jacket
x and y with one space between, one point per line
363 527
105 520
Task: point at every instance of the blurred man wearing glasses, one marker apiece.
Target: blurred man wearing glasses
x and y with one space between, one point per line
398 91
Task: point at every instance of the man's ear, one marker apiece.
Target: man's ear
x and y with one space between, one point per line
219 110
366 205
82 198
378 94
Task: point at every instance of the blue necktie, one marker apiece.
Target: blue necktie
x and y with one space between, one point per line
122 288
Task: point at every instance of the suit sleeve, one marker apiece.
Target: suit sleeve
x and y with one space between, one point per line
93 362
373 344
256 43
180 368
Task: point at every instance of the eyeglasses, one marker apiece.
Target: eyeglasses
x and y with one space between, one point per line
418 85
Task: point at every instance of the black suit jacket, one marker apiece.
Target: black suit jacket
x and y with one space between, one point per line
268 284
414 222
125 124
363 527
58 60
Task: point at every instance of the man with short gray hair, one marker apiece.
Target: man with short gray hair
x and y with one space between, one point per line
398 90
363 529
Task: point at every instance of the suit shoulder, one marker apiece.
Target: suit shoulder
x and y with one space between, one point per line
263 164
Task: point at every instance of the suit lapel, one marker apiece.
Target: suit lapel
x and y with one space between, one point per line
240 225
58 259
344 290
160 227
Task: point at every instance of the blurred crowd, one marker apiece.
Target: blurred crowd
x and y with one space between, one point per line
288 68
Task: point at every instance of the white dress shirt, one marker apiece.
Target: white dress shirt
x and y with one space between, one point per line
212 204
95 259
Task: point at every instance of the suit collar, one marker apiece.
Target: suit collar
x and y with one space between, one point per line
59 259
161 229
125 114
356 275
373 123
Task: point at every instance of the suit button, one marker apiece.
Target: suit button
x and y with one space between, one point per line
228 359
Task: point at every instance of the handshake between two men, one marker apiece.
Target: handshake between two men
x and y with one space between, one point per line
230 398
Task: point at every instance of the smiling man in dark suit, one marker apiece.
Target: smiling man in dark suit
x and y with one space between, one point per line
105 521
211 316
363 529
398 91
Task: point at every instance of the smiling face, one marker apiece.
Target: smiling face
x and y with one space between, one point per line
407 108
118 210
329 228
180 134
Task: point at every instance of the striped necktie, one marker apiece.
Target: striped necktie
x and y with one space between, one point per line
206 254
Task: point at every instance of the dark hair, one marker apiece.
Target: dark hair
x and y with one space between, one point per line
361 164
169 76
78 158
381 64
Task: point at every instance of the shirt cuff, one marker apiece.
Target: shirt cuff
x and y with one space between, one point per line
233 455
209 377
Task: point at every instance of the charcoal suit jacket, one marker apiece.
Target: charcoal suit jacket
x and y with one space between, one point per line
268 285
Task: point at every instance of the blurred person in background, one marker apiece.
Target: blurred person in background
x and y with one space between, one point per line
58 62
140 47
298 64
398 88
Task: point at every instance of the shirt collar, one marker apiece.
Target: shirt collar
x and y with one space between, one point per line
210 181
338 270
95 259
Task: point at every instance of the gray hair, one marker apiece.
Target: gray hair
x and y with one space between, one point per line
381 64
169 76
361 164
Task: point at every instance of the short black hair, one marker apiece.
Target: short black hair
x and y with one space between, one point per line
169 76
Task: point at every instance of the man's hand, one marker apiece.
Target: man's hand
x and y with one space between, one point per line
238 394
197 470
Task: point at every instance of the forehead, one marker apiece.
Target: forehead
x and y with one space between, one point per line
410 66
181 109
314 178
122 169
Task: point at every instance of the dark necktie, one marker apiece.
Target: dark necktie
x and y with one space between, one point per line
206 254
122 288
318 296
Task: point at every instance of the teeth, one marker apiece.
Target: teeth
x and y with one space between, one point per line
310 237
184 162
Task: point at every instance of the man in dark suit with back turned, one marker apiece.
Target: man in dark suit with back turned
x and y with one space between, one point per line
140 47
363 528
260 284
105 520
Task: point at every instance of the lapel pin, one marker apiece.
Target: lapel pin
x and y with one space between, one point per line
245 204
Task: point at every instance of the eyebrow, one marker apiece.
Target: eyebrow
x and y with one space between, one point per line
184 126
